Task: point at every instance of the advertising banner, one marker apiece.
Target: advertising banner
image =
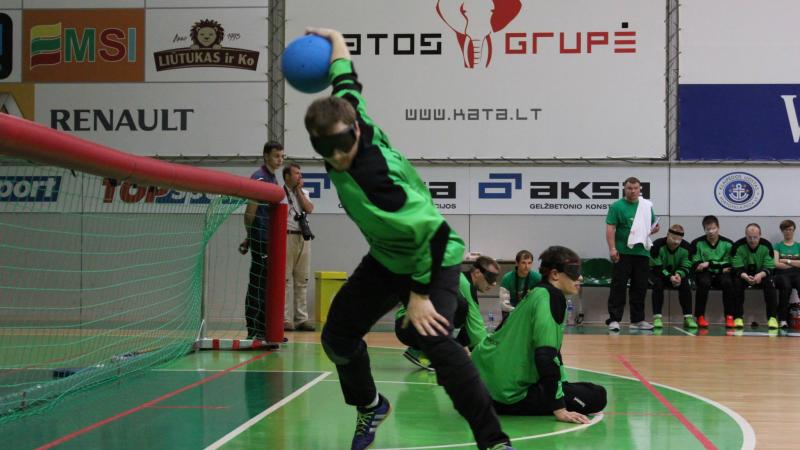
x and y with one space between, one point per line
83 45
166 119
740 79
10 45
537 79
733 191
448 187
580 191
28 189
583 191
207 44
17 99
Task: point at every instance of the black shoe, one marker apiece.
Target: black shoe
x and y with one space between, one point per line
367 422
305 326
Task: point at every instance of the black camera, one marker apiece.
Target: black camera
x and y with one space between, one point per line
305 228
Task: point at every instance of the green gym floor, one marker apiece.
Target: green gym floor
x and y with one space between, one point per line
290 399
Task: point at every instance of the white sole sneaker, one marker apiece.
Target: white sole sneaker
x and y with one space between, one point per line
613 326
643 325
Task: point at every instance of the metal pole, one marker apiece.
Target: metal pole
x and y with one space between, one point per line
673 54
276 102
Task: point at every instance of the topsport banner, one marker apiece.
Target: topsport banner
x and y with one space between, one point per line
466 79
740 81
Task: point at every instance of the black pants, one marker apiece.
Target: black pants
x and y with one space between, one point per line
637 270
370 293
408 334
584 398
785 282
705 281
660 282
770 296
255 304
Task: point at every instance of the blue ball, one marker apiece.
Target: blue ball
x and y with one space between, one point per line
305 63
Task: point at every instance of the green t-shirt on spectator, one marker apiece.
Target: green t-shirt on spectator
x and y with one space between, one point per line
518 286
788 252
621 214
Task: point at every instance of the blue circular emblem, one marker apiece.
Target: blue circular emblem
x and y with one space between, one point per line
738 191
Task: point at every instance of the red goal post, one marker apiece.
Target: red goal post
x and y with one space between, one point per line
26 140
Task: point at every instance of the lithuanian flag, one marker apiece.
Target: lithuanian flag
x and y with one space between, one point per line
45 44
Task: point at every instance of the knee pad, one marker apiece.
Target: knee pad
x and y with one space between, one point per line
333 356
340 351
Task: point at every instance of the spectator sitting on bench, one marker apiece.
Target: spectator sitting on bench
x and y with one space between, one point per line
670 265
753 263
787 270
711 261
516 284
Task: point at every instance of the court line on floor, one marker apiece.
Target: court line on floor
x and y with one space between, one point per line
684 331
149 404
243 427
704 440
200 369
749 436
594 420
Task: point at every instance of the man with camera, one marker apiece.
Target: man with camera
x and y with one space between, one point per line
298 250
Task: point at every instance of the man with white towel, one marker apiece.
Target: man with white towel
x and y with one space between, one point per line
629 224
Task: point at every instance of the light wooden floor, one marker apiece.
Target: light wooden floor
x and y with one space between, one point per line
758 377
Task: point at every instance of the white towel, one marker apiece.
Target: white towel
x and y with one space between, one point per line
640 229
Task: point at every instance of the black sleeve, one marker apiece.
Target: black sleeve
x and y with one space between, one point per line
657 244
692 252
547 365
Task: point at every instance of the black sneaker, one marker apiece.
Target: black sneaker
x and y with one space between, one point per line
367 422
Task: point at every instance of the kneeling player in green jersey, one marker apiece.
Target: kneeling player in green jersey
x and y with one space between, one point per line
414 259
481 277
521 363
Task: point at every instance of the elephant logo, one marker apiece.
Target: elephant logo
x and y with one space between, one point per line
474 22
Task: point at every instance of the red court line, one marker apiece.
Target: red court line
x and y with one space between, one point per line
670 407
190 407
149 404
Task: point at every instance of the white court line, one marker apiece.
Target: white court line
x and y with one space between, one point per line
749 436
241 428
684 331
596 419
390 382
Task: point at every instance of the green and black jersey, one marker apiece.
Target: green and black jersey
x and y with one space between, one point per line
718 255
386 198
666 262
476 328
753 261
788 252
527 349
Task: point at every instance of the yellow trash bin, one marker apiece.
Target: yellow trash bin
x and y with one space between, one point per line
326 287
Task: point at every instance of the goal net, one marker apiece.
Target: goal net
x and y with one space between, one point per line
103 269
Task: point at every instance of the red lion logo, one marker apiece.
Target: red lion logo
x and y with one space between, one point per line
474 21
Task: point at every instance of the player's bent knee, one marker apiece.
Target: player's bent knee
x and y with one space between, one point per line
333 356
340 351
